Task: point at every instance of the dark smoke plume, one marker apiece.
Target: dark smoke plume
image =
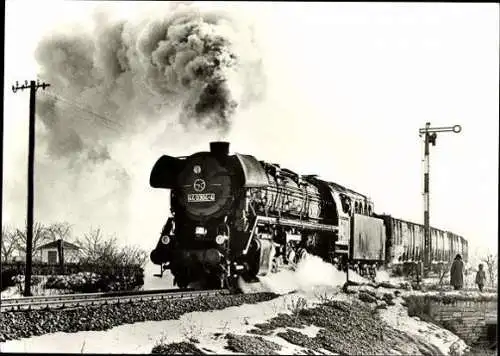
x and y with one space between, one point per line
188 67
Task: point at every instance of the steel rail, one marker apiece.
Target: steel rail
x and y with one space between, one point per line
79 300
88 295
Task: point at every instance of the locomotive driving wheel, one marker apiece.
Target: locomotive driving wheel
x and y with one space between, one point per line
182 278
182 283
231 283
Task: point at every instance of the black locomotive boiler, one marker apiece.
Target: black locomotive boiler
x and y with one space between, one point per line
235 216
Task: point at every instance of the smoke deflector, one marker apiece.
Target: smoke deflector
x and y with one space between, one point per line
164 172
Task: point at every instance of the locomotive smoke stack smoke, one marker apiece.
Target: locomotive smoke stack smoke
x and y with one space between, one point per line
187 67
126 89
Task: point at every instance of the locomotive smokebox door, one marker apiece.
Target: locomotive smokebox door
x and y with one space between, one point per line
206 187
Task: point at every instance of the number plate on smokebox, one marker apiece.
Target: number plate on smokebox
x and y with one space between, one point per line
199 198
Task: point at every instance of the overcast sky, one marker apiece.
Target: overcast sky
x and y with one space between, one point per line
348 87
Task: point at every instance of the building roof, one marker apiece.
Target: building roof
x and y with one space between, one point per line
53 244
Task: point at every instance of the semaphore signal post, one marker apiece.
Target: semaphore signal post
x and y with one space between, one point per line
430 134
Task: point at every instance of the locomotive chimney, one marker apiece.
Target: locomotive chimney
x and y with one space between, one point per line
219 148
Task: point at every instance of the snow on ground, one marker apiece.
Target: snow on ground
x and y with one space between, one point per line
210 327
13 292
10 292
152 282
38 289
397 317
313 280
142 337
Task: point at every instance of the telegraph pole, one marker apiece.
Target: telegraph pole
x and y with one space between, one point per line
430 134
60 250
1 171
33 86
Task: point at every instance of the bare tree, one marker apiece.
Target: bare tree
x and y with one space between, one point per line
60 231
97 248
109 251
8 243
41 235
130 255
491 262
90 245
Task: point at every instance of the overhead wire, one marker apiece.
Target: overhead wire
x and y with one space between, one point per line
108 123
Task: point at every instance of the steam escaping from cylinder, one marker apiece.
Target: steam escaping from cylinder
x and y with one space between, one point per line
310 273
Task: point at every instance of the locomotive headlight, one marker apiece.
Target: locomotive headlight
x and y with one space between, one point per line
200 230
220 239
165 239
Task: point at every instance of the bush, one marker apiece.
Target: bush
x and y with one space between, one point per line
89 282
7 279
19 279
44 269
80 278
80 282
105 251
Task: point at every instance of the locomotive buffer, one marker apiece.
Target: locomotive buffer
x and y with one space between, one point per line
430 134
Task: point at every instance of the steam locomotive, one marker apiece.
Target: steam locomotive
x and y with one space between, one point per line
235 216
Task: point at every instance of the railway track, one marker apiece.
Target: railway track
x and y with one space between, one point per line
67 301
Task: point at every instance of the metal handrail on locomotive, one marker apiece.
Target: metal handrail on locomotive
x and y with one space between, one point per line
235 216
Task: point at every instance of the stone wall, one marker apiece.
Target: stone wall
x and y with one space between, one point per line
467 316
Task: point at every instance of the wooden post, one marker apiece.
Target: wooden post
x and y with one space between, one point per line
60 250
33 86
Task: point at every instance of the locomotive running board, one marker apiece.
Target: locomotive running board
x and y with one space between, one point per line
259 220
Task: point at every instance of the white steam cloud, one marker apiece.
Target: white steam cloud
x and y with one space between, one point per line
188 66
310 273
121 96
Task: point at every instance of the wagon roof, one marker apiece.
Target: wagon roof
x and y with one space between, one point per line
421 225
